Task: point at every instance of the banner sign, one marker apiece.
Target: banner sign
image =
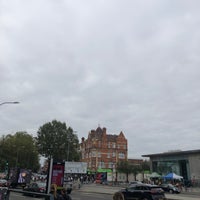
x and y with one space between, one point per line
75 167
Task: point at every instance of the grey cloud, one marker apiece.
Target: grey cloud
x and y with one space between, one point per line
129 66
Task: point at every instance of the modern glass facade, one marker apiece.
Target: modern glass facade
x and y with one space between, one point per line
183 163
180 167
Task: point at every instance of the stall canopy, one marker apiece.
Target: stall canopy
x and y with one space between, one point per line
155 175
173 176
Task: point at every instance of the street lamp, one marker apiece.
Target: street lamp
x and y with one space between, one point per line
9 102
70 140
68 147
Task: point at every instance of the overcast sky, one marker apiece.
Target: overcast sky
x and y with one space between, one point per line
130 66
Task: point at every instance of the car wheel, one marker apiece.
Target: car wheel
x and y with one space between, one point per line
170 191
118 196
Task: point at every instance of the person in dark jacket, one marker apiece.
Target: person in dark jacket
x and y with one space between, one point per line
64 195
54 194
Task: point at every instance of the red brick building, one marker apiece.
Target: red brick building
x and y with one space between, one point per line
102 151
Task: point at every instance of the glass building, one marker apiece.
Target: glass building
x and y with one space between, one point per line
183 163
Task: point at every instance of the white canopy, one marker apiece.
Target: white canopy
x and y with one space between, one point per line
155 175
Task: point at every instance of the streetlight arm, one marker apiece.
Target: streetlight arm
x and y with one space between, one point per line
9 102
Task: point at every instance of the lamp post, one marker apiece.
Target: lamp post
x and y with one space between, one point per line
20 150
68 152
9 102
68 147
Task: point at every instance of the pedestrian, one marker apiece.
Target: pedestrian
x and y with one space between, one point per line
64 195
53 193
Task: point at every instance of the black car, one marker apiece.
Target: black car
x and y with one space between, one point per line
35 187
132 183
140 192
170 188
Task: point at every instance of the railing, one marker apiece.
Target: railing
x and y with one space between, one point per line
46 196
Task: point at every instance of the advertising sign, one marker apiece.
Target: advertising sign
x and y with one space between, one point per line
57 174
24 176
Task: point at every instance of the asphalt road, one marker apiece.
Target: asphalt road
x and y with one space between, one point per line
102 193
74 195
20 196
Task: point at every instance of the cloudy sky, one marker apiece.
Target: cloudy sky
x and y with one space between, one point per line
130 66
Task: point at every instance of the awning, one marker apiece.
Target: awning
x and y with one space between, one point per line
104 170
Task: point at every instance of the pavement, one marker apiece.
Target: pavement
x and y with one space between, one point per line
191 194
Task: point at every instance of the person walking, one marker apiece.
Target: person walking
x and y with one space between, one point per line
64 195
53 193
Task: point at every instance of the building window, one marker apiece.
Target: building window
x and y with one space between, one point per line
113 154
108 155
121 155
99 154
93 163
110 165
108 144
101 164
124 146
114 145
93 153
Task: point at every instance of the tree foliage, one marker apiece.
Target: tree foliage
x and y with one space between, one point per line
124 167
145 165
127 168
19 150
135 169
56 140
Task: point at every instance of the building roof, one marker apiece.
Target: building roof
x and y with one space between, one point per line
99 132
173 153
112 138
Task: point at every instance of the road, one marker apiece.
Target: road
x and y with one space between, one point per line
100 193
20 196
75 196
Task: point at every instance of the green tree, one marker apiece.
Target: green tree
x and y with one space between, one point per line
56 140
124 167
19 150
145 166
135 169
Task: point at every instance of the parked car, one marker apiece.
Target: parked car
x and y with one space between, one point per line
140 191
35 187
170 188
132 183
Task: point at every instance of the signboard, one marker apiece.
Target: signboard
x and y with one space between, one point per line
75 167
57 174
24 176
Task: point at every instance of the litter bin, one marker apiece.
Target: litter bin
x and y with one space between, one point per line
4 193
